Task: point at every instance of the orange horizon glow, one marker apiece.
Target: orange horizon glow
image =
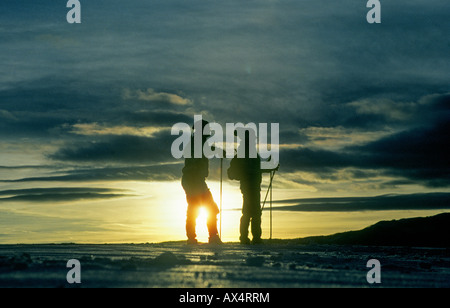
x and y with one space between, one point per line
156 212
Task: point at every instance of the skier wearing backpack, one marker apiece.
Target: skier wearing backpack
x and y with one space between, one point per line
248 171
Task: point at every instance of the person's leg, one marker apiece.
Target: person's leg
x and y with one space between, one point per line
256 229
255 210
212 225
191 217
246 216
211 222
245 222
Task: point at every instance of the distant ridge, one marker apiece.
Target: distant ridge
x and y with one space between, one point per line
432 231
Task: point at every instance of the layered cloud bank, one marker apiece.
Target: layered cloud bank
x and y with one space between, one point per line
363 110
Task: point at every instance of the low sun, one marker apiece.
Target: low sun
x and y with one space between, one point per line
202 230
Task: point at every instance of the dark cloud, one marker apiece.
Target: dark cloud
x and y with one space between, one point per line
298 64
418 153
120 149
304 159
27 167
163 118
161 172
48 108
42 110
60 194
430 201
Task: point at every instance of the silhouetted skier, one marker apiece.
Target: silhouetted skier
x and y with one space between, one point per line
248 171
198 195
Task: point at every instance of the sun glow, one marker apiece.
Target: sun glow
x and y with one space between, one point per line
156 212
201 229
227 220
162 211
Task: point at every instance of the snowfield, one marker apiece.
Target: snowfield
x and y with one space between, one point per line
277 264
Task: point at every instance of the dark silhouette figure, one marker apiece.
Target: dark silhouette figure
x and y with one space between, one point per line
198 195
248 171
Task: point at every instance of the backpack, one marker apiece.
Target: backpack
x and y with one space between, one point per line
234 172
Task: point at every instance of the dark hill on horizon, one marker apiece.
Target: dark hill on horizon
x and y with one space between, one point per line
432 231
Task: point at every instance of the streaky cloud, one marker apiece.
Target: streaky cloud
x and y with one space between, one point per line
426 201
161 172
61 194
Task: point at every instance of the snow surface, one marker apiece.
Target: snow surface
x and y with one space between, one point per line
177 265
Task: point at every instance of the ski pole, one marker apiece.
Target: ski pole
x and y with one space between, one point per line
221 180
271 178
268 188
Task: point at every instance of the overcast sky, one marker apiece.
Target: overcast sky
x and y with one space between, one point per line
364 109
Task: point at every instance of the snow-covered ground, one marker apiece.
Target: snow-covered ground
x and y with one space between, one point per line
176 265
